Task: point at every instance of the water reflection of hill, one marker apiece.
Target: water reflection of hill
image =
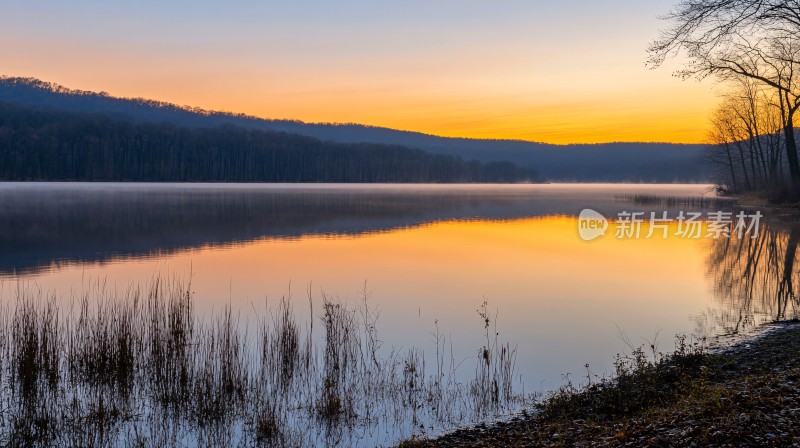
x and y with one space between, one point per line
43 224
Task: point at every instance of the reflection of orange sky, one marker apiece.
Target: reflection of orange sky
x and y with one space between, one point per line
524 261
562 299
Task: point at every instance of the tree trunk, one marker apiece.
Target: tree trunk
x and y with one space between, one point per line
791 152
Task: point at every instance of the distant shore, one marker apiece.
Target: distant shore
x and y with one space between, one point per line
770 199
747 395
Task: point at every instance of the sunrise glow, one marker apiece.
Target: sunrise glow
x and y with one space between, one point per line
565 72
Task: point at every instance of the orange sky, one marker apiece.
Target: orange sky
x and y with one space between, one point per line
571 72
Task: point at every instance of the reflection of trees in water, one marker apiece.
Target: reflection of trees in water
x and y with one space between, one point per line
755 279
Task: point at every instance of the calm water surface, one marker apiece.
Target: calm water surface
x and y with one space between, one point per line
427 254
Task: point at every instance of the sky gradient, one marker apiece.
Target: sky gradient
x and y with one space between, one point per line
566 71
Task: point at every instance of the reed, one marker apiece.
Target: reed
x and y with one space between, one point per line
142 368
705 203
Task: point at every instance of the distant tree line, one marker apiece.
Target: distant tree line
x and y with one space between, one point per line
56 145
753 48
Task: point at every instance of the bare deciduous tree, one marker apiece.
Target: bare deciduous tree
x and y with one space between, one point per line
747 138
734 39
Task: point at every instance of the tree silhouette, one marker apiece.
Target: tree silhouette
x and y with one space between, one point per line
747 138
730 39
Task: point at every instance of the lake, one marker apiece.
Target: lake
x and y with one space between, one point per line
427 256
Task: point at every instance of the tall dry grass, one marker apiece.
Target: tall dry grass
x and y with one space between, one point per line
142 368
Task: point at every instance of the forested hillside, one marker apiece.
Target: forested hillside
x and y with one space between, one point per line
41 144
606 162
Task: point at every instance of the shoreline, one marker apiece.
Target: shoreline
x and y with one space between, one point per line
745 394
